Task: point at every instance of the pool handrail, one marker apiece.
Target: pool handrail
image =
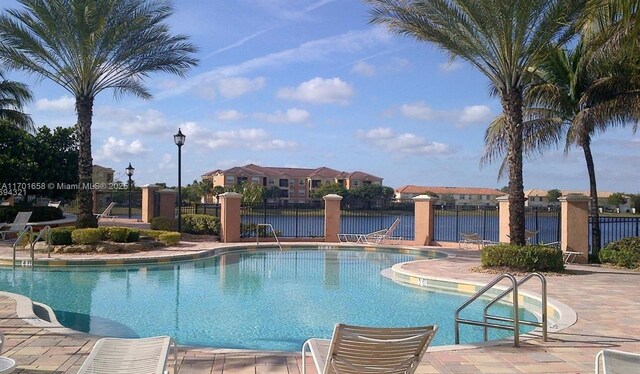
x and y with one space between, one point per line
272 231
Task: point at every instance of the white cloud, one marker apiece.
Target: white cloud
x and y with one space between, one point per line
229 115
166 162
364 68
62 104
118 149
388 141
418 111
149 122
319 91
293 115
238 86
449 67
475 114
254 139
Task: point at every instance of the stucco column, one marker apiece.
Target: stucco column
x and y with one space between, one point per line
332 217
168 203
503 219
148 201
230 204
574 223
425 219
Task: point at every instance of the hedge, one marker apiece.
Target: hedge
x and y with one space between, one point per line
624 252
62 235
38 213
86 236
163 223
201 224
169 238
527 258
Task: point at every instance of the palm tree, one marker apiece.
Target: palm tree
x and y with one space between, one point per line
88 46
580 95
13 97
502 39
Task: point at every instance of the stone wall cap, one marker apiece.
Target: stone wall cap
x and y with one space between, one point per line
423 198
150 186
231 195
574 197
167 190
332 196
503 198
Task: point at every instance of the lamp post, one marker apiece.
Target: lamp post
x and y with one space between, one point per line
179 139
129 170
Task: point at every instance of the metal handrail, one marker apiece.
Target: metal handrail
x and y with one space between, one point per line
47 230
516 320
543 306
272 231
24 231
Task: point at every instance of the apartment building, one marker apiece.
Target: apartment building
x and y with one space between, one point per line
538 198
296 184
452 195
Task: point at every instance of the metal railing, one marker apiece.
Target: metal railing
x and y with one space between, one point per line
515 327
272 231
27 229
32 243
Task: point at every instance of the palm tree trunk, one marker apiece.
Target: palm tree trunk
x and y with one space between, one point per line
512 107
84 108
595 213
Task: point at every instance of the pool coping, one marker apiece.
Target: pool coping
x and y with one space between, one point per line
566 316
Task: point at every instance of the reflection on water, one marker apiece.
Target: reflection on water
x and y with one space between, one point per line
257 300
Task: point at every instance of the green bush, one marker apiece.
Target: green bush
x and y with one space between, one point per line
117 234
88 221
527 258
133 235
163 223
169 238
38 213
86 236
201 224
62 235
624 252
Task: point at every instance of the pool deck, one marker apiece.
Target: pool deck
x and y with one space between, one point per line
607 302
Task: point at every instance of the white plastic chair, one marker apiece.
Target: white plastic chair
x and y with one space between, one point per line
107 212
376 237
371 350
617 362
125 356
18 224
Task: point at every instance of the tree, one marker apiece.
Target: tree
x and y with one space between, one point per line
502 39
331 188
89 46
616 199
217 191
553 195
13 97
57 160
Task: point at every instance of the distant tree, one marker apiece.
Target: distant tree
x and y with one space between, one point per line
271 193
553 195
371 195
217 191
616 199
505 189
251 193
448 199
331 188
17 147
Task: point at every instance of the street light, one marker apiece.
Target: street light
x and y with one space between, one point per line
179 139
129 170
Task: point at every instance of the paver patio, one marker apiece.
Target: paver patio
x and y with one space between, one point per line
606 300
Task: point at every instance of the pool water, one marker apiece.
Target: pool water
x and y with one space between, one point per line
265 300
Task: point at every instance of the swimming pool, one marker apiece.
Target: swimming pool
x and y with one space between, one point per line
265 300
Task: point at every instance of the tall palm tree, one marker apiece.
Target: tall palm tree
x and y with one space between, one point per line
580 93
502 39
13 97
88 46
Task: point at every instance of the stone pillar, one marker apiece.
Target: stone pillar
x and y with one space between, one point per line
425 219
230 203
574 224
148 201
168 203
332 217
503 219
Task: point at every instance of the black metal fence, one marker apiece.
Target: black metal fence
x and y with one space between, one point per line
210 209
616 228
363 219
288 221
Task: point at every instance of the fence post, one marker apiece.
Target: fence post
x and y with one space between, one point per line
425 219
148 202
332 217
503 219
574 217
230 217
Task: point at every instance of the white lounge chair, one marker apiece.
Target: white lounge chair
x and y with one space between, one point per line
530 234
142 356
357 350
473 239
18 224
107 212
54 204
617 362
376 237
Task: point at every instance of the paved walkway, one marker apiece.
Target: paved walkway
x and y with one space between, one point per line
607 302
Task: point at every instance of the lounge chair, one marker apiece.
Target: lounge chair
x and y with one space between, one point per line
107 212
528 235
142 356
376 237
617 362
356 350
18 224
473 239
54 204
7 365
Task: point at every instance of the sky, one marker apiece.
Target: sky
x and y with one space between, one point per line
311 83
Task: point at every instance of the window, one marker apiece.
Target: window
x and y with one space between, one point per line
356 183
241 180
271 181
301 192
255 180
315 183
300 182
283 183
292 182
230 179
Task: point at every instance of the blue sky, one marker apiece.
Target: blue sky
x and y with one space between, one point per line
309 83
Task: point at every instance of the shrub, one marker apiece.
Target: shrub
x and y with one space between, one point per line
155 234
169 238
62 235
201 224
163 223
38 213
527 258
117 234
86 236
624 252
132 236
87 221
